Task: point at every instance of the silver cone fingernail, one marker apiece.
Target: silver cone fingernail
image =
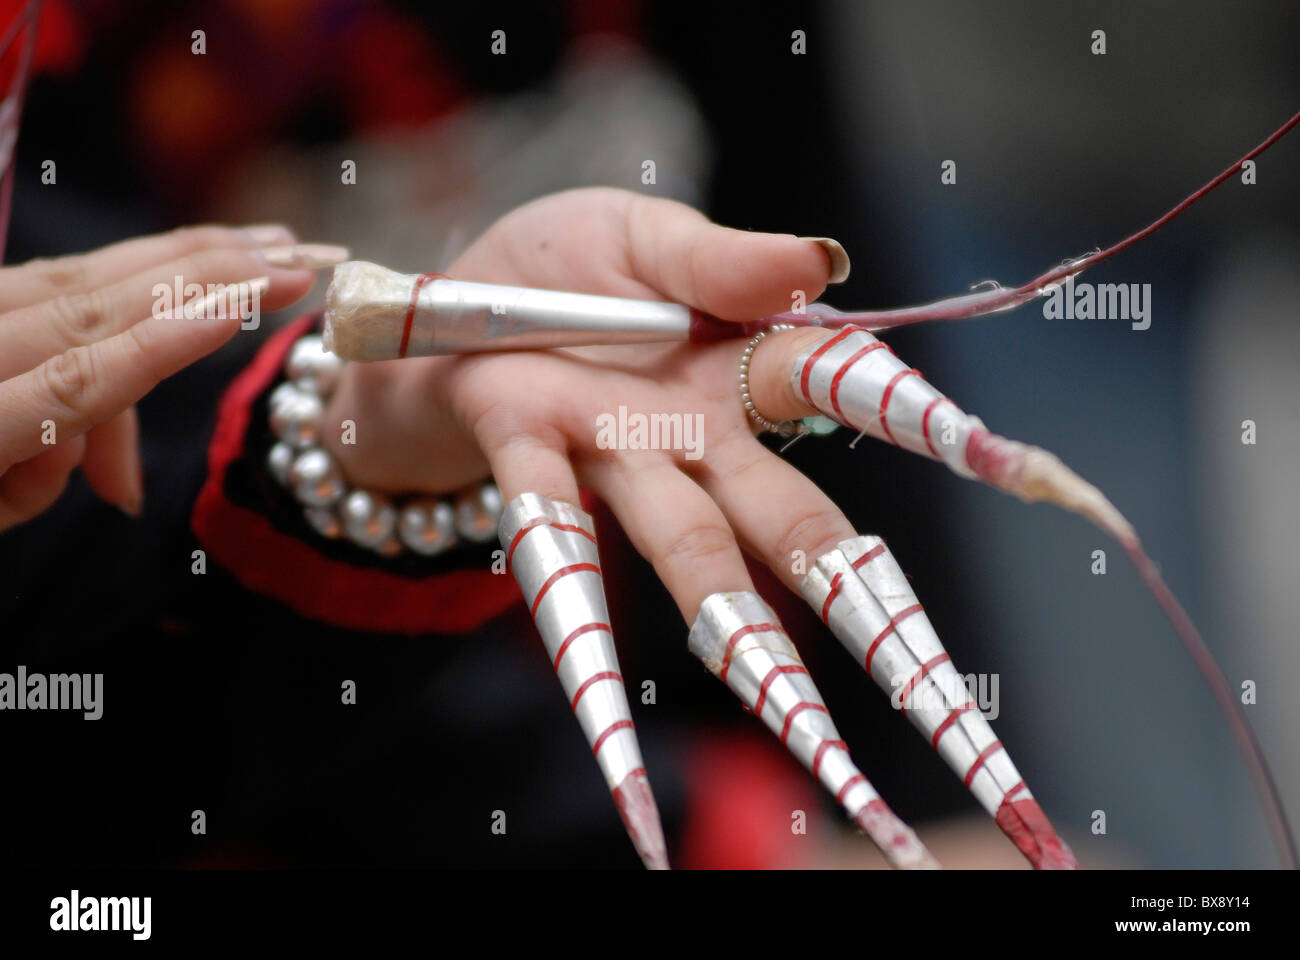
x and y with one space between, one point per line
551 549
861 593
740 640
855 379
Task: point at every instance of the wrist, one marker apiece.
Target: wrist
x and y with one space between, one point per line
391 433
319 458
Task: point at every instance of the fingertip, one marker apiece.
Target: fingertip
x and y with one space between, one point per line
111 463
746 275
837 256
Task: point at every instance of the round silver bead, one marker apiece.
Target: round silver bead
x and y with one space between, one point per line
316 479
313 367
368 518
324 521
427 526
279 461
285 391
296 418
478 512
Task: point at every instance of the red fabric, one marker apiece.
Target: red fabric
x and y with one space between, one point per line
742 792
289 570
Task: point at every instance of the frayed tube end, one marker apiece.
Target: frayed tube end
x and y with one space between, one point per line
1033 474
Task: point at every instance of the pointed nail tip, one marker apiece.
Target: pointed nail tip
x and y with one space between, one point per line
636 806
1026 825
1061 861
896 840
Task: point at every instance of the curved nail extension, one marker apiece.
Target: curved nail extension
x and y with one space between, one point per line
839 257
551 550
741 642
855 379
861 593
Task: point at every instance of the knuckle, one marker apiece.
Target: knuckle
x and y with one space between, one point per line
61 272
499 424
68 377
138 343
82 316
699 542
810 531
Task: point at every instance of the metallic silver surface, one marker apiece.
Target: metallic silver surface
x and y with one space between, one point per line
872 605
741 641
309 363
316 479
324 521
279 460
917 416
295 417
551 549
478 513
282 393
368 518
367 306
427 526
454 316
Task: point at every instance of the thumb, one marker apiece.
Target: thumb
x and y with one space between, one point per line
732 274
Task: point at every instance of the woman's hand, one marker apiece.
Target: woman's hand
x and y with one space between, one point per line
534 418
82 339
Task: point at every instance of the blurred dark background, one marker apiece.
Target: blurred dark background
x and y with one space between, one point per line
1057 150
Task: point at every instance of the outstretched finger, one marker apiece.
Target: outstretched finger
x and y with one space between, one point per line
781 516
731 274
35 333
87 385
622 244
672 523
111 464
45 279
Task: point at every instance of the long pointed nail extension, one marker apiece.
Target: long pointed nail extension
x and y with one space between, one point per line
738 637
551 550
861 593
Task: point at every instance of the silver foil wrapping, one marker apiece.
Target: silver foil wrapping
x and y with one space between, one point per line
551 550
373 313
861 593
855 379
740 640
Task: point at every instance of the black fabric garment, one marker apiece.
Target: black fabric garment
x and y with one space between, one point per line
219 700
